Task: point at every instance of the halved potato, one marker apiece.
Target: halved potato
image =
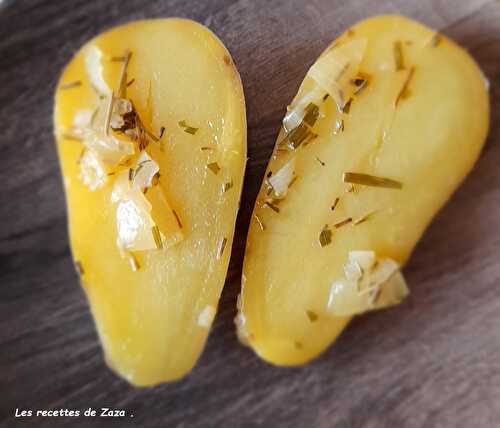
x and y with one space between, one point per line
151 134
385 126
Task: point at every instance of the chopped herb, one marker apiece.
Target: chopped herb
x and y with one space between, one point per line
435 40
347 107
299 135
80 157
398 55
370 180
270 187
352 188
130 82
271 205
122 85
325 97
341 98
162 131
259 221
313 316
227 186
269 174
150 134
339 127
363 218
206 148
177 219
79 268
320 161
325 236
361 82
109 112
220 249
187 128
294 179
157 237
335 203
190 130
214 167
342 223
404 89
71 85
68 136
134 263
312 114
130 174
156 179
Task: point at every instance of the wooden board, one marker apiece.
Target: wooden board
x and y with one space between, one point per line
432 362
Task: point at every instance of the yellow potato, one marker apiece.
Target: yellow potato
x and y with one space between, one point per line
151 219
384 127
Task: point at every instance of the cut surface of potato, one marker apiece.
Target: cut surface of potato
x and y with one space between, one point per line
385 126
151 135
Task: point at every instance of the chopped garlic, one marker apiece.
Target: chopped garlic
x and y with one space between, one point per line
206 316
92 171
134 227
144 171
368 284
95 69
281 180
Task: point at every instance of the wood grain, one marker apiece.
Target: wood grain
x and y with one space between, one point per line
432 362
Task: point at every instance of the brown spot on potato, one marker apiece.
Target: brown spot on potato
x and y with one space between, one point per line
227 60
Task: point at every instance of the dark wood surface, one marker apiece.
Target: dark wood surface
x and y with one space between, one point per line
432 362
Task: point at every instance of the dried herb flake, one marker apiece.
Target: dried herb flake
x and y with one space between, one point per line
214 167
325 236
370 180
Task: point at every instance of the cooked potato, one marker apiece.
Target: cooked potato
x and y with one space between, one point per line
385 126
151 134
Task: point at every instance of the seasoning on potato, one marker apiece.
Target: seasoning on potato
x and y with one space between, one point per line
142 113
386 124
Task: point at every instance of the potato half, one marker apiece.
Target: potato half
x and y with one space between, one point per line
385 126
151 135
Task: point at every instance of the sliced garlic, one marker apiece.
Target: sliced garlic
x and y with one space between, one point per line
92 170
144 171
297 110
280 181
134 227
95 69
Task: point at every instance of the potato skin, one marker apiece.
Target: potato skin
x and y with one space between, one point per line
147 321
435 138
